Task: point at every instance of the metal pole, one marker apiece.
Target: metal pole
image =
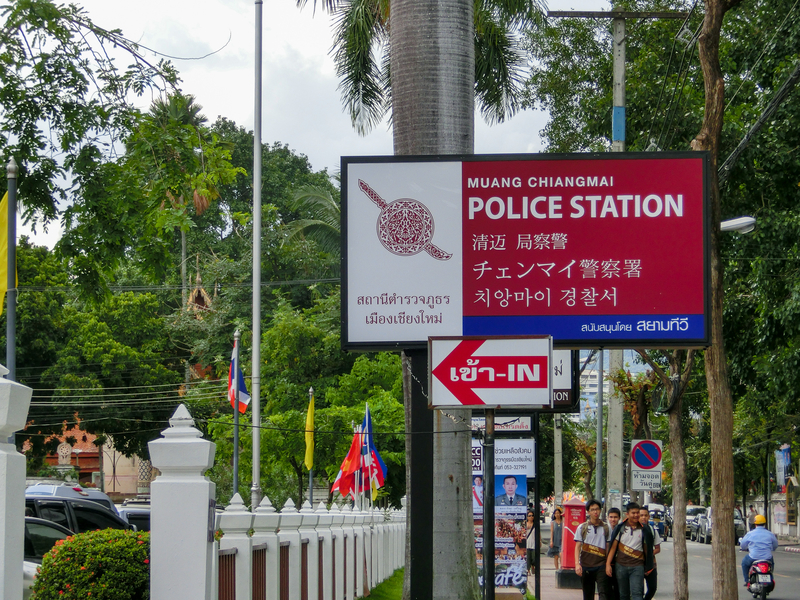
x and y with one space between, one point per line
11 287
11 293
598 471
255 491
235 376
614 454
488 507
558 481
311 470
537 557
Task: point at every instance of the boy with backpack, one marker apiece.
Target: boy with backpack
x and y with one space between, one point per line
590 552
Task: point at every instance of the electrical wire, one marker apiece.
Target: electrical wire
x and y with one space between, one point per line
666 73
763 51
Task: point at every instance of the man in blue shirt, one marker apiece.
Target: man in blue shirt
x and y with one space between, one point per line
760 542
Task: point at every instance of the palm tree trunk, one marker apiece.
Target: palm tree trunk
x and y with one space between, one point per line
433 74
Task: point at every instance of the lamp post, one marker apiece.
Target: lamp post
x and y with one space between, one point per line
739 224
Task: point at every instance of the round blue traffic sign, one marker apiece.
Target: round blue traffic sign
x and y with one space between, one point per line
646 454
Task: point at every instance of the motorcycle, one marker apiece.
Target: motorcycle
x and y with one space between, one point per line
761 579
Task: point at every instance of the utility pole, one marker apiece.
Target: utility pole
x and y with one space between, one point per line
615 459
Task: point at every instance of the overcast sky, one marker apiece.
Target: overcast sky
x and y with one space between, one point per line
301 102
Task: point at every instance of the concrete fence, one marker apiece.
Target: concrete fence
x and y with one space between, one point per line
306 554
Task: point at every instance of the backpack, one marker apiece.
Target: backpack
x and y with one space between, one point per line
585 528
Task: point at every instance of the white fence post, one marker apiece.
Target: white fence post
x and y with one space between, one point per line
337 535
235 523
265 531
310 537
15 399
350 552
362 558
181 513
290 522
325 534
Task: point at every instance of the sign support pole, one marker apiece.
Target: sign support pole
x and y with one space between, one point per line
598 470
488 507
537 546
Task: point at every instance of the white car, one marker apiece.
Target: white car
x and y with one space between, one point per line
40 536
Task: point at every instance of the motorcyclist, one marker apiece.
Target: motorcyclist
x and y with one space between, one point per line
760 542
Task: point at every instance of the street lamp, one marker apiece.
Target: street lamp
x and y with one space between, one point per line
740 224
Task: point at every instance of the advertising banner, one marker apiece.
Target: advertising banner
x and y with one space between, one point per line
567 245
783 459
514 463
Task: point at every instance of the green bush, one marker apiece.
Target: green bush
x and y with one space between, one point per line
110 564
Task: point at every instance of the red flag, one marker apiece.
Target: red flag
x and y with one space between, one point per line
345 480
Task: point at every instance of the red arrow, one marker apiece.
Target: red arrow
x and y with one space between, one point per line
461 372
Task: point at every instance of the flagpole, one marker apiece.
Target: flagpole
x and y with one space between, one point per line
255 383
310 470
11 288
235 376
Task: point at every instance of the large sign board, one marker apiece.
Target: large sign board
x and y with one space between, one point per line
593 249
491 373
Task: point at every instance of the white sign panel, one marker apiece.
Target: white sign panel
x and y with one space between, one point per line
504 372
646 481
511 457
504 423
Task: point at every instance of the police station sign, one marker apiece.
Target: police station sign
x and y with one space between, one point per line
606 249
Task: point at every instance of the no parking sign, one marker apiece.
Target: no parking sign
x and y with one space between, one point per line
646 465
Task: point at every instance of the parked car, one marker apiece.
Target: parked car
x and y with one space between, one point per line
705 526
75 514
692 514
40 537
136 512
66 490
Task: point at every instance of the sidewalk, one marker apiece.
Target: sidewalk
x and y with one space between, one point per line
548 584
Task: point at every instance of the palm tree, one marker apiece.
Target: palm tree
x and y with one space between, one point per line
324 224
363 45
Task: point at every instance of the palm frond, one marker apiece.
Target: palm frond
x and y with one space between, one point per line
360 32
324 222
498 65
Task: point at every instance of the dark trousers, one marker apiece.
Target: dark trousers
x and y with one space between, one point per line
588 580
613 585
651 581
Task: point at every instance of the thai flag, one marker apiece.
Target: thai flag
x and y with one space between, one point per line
244 397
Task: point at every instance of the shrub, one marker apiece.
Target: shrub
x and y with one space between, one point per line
110 564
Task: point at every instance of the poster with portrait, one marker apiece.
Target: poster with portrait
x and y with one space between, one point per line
513 466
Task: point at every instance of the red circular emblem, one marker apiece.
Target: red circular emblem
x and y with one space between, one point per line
405 226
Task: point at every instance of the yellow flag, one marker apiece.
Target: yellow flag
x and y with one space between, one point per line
310 435
4 250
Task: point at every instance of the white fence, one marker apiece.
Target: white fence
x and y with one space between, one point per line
265 554
305 555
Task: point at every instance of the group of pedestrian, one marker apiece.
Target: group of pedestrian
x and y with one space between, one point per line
617 558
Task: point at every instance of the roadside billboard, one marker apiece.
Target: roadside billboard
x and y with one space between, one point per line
593 249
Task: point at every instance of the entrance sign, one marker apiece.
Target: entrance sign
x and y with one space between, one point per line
568 245
498 372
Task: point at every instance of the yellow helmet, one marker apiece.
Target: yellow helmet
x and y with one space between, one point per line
760 520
